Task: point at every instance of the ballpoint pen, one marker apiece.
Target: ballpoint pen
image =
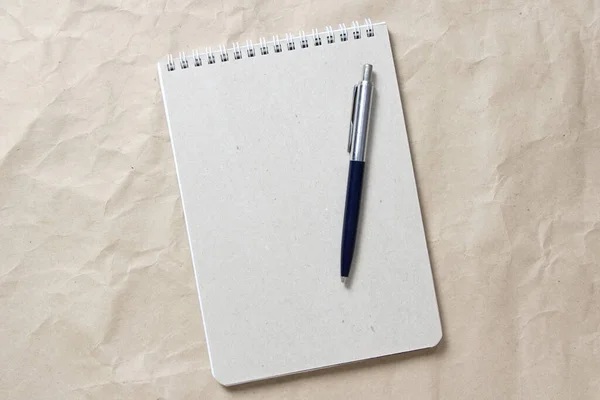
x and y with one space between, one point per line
357 147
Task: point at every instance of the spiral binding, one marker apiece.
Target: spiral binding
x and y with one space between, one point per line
276 45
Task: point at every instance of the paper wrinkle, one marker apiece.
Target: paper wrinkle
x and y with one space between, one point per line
97 293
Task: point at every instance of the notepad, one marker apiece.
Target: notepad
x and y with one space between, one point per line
259 134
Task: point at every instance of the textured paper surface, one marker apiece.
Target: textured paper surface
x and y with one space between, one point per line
261 151
97 297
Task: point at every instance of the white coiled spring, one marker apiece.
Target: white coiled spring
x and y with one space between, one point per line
276 45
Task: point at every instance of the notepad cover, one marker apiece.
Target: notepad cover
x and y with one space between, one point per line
260 151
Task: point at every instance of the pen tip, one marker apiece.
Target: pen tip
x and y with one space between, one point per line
343 279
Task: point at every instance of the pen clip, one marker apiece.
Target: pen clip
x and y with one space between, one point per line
351 130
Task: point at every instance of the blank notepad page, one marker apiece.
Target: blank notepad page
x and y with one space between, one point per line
260 149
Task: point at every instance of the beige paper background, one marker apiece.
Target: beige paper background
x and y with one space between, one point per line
97 297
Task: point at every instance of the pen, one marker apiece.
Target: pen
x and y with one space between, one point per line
357 147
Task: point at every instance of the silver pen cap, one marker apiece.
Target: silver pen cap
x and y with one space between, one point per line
361 113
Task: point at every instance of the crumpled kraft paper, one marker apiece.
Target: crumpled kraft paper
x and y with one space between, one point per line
97 295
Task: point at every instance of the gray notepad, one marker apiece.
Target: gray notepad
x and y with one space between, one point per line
259 134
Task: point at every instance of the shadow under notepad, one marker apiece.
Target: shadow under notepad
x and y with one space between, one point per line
343 370
413 156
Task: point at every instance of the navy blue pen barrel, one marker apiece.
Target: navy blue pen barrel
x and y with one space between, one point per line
351 214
